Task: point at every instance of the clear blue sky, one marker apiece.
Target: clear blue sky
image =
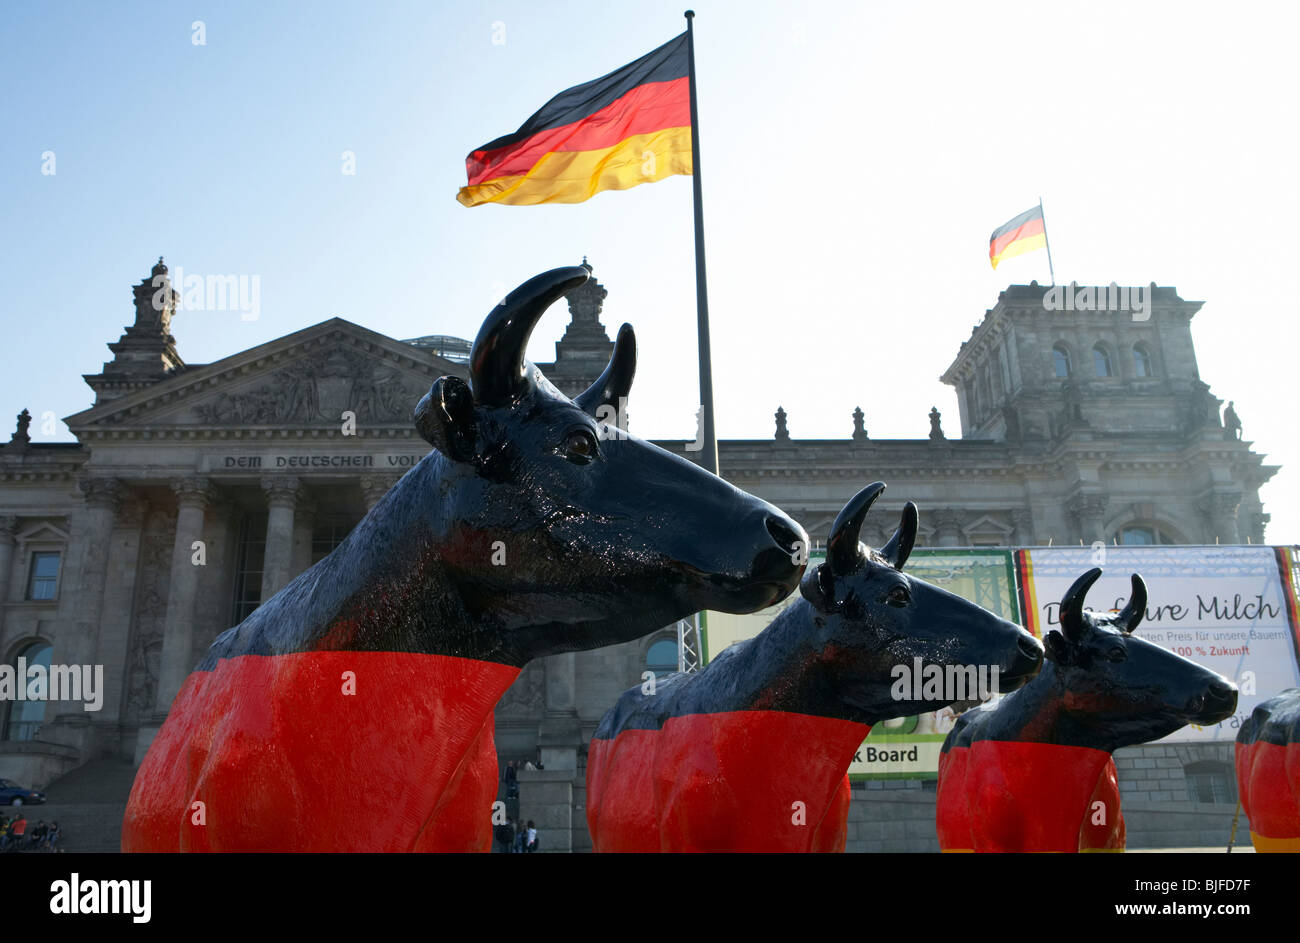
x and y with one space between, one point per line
855 158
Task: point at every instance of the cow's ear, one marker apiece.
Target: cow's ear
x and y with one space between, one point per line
444 417
818 587
1058 649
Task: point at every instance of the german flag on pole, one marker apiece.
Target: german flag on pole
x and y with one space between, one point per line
632 126
1023 234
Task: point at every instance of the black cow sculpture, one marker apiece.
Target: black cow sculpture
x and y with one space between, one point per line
1034 772
752 753
354 709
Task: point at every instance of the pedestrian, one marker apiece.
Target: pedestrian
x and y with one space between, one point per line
17 832
512 781
532 837
504 835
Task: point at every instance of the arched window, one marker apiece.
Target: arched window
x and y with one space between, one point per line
1142 361
1144 535
1061 361
1101 361
661 657
25 716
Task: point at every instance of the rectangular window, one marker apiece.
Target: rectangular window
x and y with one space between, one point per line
328 533
1211 787
43 583
248 567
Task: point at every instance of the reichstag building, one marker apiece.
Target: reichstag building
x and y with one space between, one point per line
1073 426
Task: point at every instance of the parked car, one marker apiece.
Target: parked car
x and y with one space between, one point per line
13 794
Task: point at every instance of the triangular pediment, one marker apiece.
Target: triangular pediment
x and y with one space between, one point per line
42 531
987 525
305 379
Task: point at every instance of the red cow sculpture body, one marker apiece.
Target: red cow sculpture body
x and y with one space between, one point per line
1268 772
752 753
353 711
1034 772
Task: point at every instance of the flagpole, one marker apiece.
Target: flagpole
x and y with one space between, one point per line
1047 242
709 458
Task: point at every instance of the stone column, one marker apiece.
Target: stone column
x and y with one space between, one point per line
114 637
1022 519
1258 522
304 526
1089 509
374 487
1220 509
103 497
192 497
281 498
560 732
546 797
8 526
947 527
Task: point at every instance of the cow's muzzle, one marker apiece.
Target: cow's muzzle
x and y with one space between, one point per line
1217 702
1026 663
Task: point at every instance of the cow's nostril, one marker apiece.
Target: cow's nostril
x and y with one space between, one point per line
1222 690
1030 647
784 533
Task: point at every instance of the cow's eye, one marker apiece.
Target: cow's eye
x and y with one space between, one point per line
898 596
1116 653
580 446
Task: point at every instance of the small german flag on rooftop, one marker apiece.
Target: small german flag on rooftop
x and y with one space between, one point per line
632 126
1023 234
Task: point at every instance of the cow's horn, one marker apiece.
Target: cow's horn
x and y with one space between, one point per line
899 547
842 548
615 383
1072 604
496 364
1132 613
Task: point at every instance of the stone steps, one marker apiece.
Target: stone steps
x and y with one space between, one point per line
89 804
88 827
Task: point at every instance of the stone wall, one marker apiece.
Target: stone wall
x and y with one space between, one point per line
892 815
899 815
